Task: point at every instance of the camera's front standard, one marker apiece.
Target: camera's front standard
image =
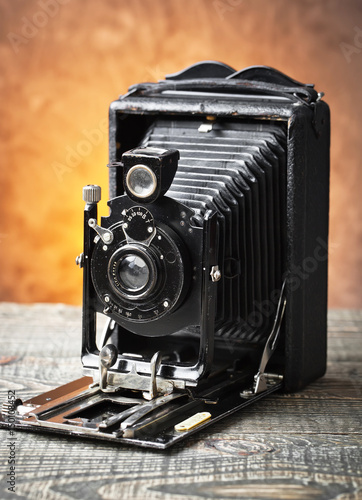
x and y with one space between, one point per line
193 305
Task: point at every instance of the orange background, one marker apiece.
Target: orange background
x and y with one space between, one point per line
63 61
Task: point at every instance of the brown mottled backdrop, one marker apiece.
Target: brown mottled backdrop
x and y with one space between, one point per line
63 61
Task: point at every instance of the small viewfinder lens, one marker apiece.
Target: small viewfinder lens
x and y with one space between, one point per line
141 181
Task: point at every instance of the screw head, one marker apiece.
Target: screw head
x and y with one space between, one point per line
217 275
108 355
79 260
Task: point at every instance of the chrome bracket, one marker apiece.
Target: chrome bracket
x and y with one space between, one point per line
107 358
151 385
155 364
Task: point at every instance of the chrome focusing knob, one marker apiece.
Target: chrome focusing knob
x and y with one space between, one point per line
92 193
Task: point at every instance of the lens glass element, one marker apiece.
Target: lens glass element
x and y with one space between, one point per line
133 272
141 181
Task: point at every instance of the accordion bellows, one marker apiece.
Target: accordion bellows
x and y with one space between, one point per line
237 169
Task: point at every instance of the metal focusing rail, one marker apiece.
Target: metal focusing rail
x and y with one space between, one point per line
158 423
97 410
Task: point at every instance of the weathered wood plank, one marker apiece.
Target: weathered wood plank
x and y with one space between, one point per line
200 470
289 446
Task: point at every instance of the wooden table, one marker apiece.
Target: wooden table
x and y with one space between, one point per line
294 446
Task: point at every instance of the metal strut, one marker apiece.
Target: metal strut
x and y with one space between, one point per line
261 377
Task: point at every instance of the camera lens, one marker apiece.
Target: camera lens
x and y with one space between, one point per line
139 283
133 272
141 181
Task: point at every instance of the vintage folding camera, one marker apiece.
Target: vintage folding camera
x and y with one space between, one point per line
210 269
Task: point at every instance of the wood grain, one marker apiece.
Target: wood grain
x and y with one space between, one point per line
59 81
289 446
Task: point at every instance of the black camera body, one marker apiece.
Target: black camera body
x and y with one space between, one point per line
211 268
